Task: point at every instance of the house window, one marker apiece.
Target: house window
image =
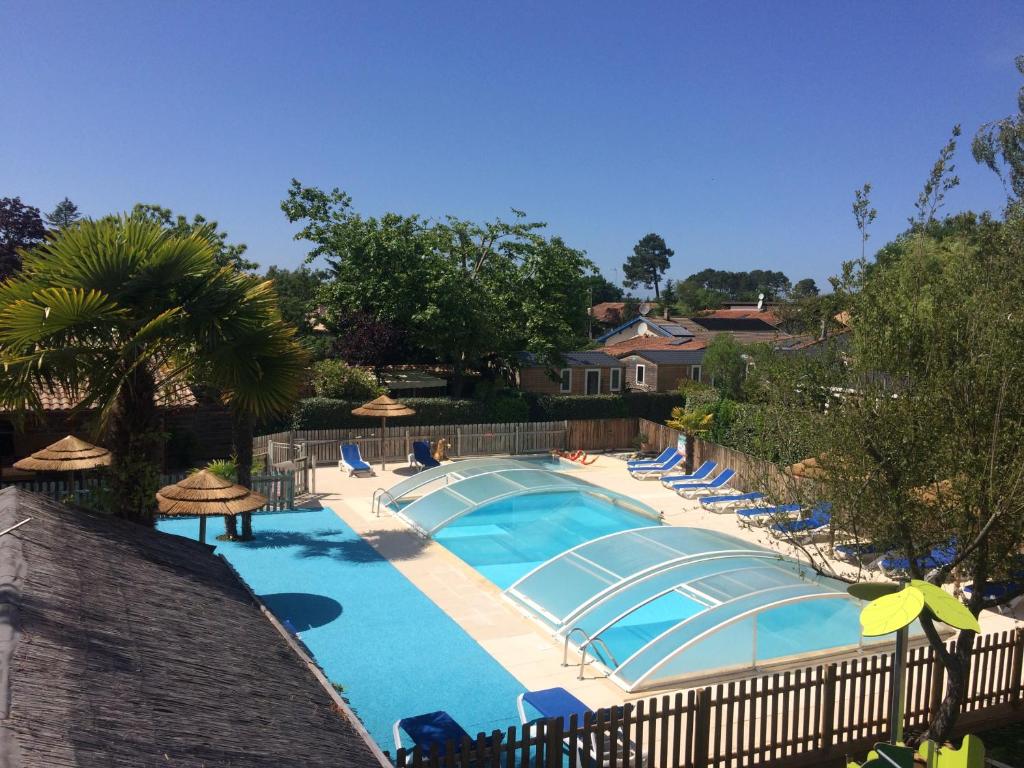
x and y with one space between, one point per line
614 379
565 385
695 372
639 374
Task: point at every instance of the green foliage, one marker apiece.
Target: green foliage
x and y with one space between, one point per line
508 408
654 406
863 214
1000 146
296 291
804 288
64 214
601 289
337 380
225 254
725 364
940 181
741 286
20 228
325 413
468 294
226 468
647 264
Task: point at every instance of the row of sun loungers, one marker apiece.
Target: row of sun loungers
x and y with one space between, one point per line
352 460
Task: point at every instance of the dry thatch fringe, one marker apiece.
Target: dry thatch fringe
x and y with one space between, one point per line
383 407
205 493
66 455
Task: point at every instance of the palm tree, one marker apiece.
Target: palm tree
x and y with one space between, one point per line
692 422
116 311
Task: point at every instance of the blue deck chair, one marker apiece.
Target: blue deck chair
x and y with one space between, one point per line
352 460
807 528
552 703
661 459
429 729
893 565
656 470
701 473
997 589
696 490
421 455
729 502
761 515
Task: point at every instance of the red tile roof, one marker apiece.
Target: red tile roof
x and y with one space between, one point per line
177 395
753 313
629 346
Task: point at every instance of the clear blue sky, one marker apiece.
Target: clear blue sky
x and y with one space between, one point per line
738 131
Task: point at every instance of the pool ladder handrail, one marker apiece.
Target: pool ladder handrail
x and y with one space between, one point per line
589 641
378 495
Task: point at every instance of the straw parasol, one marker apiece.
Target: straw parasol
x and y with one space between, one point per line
207 495
69 454
385 408
809 468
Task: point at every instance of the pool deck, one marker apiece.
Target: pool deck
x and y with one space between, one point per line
516 641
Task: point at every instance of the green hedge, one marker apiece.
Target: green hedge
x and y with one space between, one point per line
505 407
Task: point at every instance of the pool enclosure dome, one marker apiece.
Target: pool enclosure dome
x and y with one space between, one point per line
434 498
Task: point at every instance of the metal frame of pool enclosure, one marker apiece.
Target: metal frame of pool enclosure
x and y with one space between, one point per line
652 605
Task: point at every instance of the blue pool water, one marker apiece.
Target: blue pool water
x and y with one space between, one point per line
370 629
509 538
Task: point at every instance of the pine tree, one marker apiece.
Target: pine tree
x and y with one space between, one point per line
64 215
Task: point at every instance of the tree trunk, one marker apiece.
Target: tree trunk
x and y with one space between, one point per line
458 371
957 665
688 459
136 441
241 434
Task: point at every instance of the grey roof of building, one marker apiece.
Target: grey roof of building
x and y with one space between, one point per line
672 356
587 358
748 324
121 647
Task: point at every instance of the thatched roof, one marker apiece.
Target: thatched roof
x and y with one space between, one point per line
123 647
383 407
68 454
204 493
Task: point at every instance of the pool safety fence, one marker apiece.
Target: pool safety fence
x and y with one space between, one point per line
815 716
321 446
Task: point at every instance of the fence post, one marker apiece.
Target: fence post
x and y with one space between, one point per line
1016 664
408 445
458 441
827 704
515 444
701 728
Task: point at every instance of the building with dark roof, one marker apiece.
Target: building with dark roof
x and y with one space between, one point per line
662 369
124 647
589 372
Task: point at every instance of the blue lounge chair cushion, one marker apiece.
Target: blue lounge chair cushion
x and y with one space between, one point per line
663 467
819 518
859 551
724 477
937 558
995 589
350 454
556 702
421 452
661 458
753 496
433 728
700 473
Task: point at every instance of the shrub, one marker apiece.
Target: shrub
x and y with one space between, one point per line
329 413
337 379
507 409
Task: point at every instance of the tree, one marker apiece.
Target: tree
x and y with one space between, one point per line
742 286
20 228
647 264
225 254
297 291
1000 146
116 310
725 364
694 420
339 380
804 288
940 181
64 214
601 289
863 213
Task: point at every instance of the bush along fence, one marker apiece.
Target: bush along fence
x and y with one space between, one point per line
816 716
321 445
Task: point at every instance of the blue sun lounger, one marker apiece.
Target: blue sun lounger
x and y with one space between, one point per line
552 703
938 557
655 470
701 473
421 455
730 502
661 459
762 515
997 589
430 729
352 460
864 553
807 528
694 490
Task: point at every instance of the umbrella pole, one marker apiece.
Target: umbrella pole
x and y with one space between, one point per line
202 529
383 423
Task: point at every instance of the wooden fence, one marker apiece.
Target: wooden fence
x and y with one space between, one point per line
809 717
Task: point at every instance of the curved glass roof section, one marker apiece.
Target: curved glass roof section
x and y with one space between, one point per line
666 602
488 481
394 496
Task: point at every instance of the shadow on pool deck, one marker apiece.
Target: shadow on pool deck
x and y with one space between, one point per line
303 610
399 545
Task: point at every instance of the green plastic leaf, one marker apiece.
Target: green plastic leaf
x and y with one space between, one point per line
946 608
889 613
872 590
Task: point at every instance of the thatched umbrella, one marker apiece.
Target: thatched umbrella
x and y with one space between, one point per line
69 454
207 495
810 468
385 408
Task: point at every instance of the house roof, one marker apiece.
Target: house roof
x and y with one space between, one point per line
678 356
586 358
122 646
746 311
176 395
629 346
667 328
734 324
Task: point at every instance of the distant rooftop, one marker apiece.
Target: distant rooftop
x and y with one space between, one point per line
592 358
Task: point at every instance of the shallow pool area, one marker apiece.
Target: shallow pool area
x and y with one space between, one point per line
394 651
